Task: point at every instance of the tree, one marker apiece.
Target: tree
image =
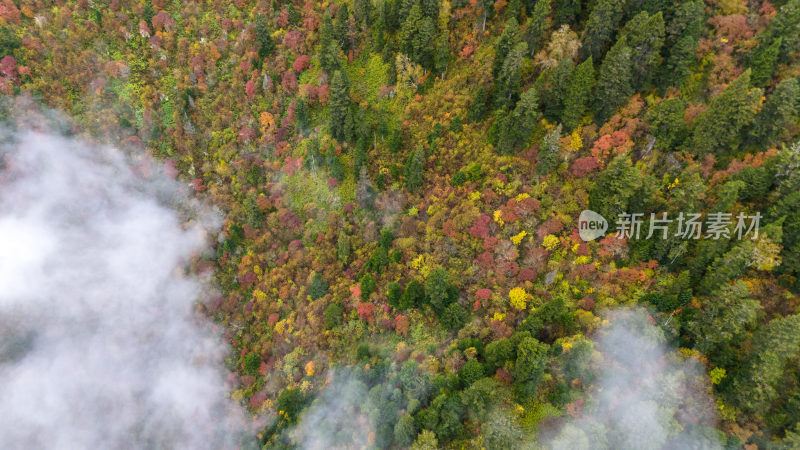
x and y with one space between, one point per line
779 111
566 11
340 28
251 363
470 372
414 169
509 79
291 402
367 286
333 315
537 24
615 83
477 109
717 129
725 318
682 34
405 430
454 317
774 344
318 287
437 288
784 26
343 247
667 123
578 92
393 293
412 296
507 41
530 364
763 61
610 194
328 46
549 150
516 128
498 352
603 21
264 37
340 107
552 86
644 34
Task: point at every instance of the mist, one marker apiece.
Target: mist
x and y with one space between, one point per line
645 396
100 342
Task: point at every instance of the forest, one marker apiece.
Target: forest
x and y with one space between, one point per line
399 262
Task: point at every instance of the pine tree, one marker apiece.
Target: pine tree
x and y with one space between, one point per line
509 78
328 47
615 84
566 11
763 61
537 24
682 34
783 25
644 34
549 149
578 93
667 123
516 127
779 111
611 193
552 87
603 21
340 106
505 44
264 38
340 28
415 165
717 129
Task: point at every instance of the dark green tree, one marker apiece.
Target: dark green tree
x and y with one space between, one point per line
537 24
318 287
530 365
717 129
333 315
763 61
615 83
610 194
516 127
340 107
412 296
437 287
470 372
603 20
780 110
264 37
667 123
508 81
415 166
644 34
507 41
578 94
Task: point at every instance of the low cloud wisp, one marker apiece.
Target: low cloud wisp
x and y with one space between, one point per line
100 344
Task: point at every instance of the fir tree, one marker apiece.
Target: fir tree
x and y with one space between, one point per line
614 85
578 92
508 40
340 107
763 61
414 169
716 130
603 21
537 24
779 111
516 127
509 78
644 34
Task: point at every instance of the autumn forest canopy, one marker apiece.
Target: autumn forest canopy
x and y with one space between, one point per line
396 259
